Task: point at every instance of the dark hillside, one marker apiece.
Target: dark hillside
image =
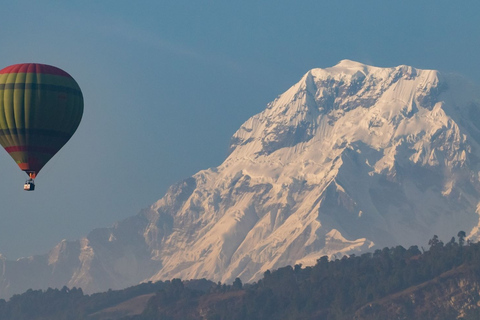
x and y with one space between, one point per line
441 283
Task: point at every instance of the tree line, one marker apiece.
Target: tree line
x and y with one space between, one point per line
331 289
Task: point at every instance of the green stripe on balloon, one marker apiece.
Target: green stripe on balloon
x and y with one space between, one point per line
39 86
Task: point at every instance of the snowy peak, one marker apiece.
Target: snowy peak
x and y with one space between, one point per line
323 96
349 64
349 158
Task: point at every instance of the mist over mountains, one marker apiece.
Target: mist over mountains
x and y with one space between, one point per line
350 159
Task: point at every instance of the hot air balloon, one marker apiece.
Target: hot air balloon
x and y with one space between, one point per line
40 108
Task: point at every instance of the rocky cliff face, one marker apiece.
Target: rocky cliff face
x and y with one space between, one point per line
350 158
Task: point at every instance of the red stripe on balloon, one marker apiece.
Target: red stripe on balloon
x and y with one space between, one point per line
34 68
30 149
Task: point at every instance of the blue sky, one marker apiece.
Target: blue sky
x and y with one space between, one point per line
167 83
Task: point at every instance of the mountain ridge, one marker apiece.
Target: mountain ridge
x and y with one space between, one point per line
441 282
349 159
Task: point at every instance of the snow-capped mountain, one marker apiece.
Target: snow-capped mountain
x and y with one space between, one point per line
349 159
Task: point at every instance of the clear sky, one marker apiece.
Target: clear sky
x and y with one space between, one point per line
167 83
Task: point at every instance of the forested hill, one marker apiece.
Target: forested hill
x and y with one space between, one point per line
440 283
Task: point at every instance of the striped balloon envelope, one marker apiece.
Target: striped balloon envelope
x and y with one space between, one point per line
40 108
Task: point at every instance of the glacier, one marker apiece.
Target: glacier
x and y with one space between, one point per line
350 159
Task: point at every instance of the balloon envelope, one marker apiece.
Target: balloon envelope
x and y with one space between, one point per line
40 108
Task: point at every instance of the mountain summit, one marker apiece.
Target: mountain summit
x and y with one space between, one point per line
350 159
